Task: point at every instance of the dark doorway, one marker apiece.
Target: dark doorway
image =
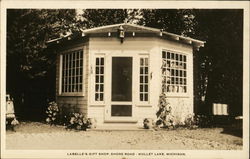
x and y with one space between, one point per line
122 79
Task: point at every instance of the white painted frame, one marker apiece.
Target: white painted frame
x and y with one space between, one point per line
83 48
92 83
109 103
138 102
108 83
106 104
189 71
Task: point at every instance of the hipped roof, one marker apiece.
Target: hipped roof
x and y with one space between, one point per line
133 28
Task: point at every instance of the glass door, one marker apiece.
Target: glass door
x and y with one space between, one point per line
121 87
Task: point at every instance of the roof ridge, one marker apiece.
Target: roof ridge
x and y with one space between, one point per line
102 27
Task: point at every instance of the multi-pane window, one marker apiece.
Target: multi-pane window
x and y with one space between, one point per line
72 72
174 70
99 78
143 93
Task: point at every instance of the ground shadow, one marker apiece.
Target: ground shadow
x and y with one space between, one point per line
231 130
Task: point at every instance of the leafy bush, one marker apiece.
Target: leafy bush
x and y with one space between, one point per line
205 121
202 121
191 121
164 114
78 121
52 113
148 123
92 123
165 117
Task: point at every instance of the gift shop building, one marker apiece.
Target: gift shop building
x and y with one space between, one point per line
114 73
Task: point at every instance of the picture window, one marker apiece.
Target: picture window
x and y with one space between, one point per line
174 71
72 74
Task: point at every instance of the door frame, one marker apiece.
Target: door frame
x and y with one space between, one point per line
108 117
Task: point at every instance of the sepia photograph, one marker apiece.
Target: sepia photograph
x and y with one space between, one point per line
124 82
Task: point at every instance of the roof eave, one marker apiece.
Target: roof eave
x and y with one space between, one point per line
196 43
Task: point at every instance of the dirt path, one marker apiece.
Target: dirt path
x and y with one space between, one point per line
40 136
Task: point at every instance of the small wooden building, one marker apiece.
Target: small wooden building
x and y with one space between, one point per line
114 73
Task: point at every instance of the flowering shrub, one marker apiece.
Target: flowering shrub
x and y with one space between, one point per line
164 114
78 121
52 113
148 123
92 123
191 121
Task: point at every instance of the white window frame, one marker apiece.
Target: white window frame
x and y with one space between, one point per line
187 69
139 76
99 55
82 93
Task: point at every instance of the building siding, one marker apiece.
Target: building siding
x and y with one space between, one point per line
97 112
73 104
182 105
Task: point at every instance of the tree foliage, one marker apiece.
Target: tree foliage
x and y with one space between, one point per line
27 32
221 60
218 66
101 17
30 66
179 21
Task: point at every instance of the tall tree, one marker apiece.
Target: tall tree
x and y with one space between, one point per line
30 67
221 61
218 66
171 20
101 17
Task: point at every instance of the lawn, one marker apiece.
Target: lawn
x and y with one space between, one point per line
35 135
